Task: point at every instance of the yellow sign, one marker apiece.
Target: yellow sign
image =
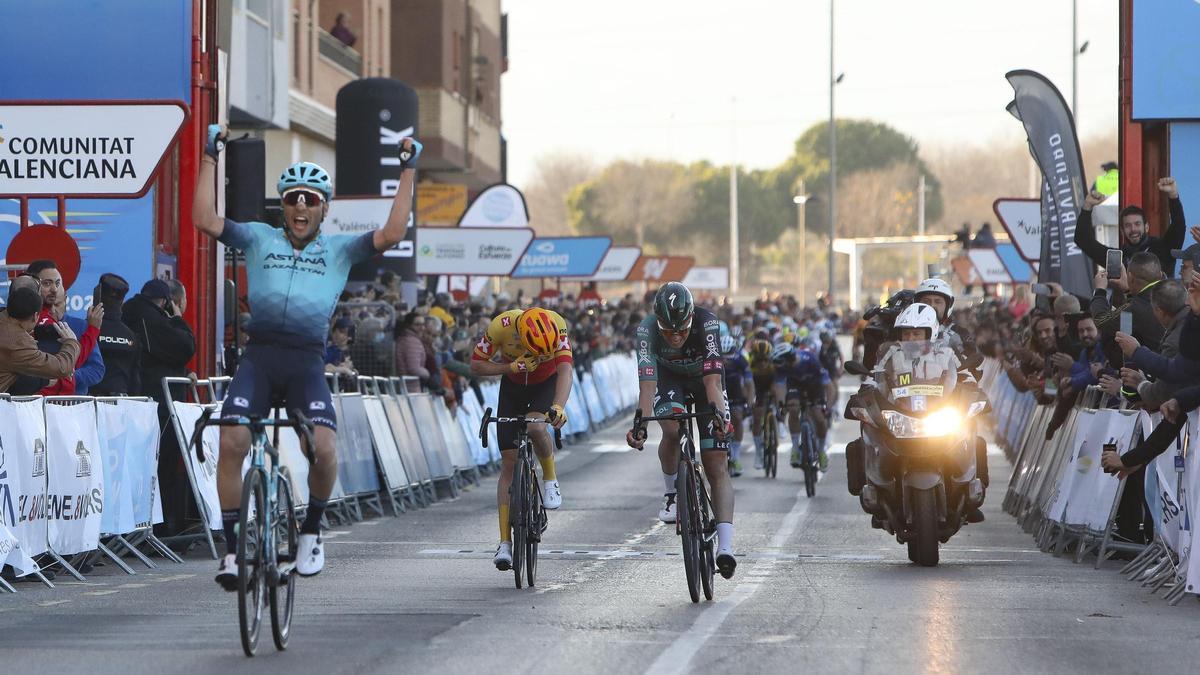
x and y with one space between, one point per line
440 204
904 379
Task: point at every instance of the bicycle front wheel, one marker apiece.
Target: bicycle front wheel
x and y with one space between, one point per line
707 560
809 458
250 557
686 513
518 514
286 541
770 444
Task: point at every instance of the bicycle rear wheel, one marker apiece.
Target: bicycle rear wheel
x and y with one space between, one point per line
283 591
689 526
535 521
809 458
518 516
770 444
250 556
707 560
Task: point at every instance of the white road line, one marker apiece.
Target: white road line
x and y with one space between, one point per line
676 657
610 447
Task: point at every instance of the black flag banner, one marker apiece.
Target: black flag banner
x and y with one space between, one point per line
1050 129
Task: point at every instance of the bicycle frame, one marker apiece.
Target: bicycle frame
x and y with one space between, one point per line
687 448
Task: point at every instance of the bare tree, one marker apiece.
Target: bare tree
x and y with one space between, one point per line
546 194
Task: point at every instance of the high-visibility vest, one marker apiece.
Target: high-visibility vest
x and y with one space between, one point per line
1109 183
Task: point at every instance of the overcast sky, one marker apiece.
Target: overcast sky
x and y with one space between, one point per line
658 78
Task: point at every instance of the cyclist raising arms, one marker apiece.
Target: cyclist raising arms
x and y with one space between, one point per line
532 350
295 275
679 357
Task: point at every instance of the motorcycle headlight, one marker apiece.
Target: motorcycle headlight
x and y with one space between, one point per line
940 423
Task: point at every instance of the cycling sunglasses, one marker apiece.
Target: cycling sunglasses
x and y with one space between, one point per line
310 198
669 332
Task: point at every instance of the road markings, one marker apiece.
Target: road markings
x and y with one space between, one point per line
101 592
610 447
676 657
51 603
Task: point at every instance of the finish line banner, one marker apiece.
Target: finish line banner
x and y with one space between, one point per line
1050 130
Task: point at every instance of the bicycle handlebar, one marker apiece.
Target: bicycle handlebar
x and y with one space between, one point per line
639 421
523 422
296 419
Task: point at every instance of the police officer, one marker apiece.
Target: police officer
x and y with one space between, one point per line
118 344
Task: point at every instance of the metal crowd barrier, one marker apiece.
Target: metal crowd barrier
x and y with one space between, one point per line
1059 493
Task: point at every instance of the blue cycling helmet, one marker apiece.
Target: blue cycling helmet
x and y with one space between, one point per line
306 174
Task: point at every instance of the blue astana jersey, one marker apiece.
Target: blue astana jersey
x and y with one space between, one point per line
293 293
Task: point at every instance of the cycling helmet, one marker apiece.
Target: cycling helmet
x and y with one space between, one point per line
728 345
306 174
760 348
673 306
938 287
539 331
781 351
918 315
736 331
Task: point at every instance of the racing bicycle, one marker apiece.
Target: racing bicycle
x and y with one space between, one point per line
526 513
694 521
268 535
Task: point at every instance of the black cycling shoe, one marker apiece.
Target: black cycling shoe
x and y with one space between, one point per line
975 516
726 564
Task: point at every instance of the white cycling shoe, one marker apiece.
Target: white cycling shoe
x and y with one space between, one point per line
551 495
311 555
667 514
503 559
227 572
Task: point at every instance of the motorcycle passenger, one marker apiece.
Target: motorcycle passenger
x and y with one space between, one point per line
800 377
739 387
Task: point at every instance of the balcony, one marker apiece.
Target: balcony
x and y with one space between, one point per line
343 56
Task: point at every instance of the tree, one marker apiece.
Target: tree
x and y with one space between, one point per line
647 203
546 195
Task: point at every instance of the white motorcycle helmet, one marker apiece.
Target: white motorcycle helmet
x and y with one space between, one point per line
919 315
937 287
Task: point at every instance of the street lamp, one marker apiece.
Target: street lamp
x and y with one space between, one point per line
1076 50
833 82
802 267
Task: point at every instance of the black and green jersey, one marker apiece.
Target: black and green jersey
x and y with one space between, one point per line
700 354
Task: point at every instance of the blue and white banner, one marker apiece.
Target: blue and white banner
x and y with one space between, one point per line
1017 268
75 485
129 433
562 257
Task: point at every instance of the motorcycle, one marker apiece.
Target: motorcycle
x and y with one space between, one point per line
918 473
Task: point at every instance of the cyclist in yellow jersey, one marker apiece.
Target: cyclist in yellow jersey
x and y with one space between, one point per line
532 351
762 372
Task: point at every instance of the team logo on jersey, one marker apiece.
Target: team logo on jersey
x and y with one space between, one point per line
564 344
241 402
316 405
484 346
521 366
506 321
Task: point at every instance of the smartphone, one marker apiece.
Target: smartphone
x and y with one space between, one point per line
1127 323
1112 263
1042 289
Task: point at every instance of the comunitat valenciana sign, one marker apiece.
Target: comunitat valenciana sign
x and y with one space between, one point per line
84 149
471 250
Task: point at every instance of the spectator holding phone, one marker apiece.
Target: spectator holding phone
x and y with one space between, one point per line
167 341
1135 237
19 352
1139 279
89 367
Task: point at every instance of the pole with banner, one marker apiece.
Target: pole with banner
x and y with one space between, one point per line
1054 145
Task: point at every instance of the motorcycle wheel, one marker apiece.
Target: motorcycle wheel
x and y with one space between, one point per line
925 534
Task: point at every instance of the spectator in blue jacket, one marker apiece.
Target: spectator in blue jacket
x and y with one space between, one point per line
1091 360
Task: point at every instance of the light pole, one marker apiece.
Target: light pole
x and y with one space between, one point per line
1076 50
802 265
833 81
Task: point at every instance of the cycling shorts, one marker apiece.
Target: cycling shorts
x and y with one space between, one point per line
267 373
518 399
812 392
675 392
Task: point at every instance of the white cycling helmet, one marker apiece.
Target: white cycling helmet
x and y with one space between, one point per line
729 345
919 315
939 287
781 350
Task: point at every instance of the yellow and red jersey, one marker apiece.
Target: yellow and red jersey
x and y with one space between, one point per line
501 339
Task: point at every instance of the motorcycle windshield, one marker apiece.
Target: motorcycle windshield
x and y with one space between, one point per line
915 376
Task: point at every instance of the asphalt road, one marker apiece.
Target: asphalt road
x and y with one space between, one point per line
816 590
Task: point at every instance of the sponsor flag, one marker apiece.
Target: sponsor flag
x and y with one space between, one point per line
1050 130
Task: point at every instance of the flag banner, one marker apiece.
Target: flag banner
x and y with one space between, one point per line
23 473
129 435
1054 145
75 472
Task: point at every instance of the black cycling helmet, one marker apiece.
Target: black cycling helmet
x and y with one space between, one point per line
673 306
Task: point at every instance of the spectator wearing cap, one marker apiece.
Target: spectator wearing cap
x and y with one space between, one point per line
120 347
167 342
1189 258
19 352
1143 273
89 367
440 309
